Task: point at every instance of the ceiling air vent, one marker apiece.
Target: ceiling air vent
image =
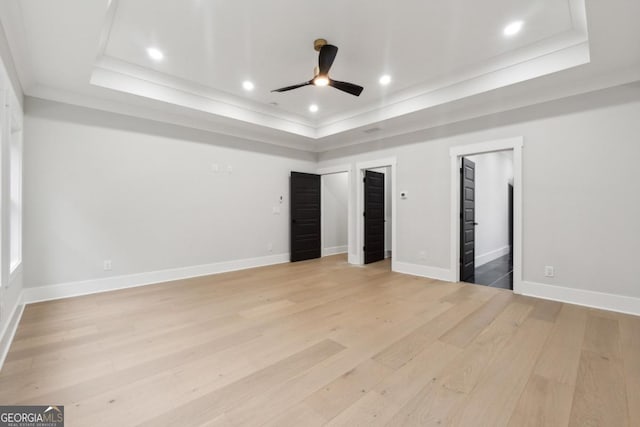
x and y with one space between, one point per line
372 130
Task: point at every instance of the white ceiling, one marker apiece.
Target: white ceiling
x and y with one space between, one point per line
447 60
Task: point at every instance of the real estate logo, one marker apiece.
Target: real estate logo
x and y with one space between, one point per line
31 416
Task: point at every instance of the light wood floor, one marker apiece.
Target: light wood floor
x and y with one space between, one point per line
322 342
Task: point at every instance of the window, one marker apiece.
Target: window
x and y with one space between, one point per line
15 187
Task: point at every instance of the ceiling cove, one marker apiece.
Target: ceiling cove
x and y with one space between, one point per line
207 51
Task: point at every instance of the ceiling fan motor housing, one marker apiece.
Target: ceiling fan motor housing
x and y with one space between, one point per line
318 43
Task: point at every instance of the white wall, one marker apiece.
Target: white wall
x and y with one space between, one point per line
100 186
145 195
580 188
494 172
335 212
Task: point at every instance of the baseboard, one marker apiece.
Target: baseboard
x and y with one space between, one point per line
86 287
490 256
10 329
601 300
335 250
423 271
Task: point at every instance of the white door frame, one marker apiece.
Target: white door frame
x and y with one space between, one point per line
390 162
516 144
329 171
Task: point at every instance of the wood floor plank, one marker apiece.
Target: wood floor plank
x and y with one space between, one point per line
322 342
111 380
403 350
438 401
600 397
264 309
630 341
342 392
477 357
543 403
370 411
360 350
503 380
215 403
602 336
471 326
423 369
548 395
546 310
298 415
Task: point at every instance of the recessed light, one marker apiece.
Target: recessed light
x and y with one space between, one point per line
513 28
385 80
313 108
155 54
247 85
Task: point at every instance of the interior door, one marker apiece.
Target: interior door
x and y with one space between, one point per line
373 217
467 220
305 216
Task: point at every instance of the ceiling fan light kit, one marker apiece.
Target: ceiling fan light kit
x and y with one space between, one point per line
327 54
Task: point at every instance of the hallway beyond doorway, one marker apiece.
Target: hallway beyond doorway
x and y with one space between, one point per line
496 274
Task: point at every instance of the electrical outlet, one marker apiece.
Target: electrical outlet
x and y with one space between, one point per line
107 265
270 247
422 255
276 210
549 271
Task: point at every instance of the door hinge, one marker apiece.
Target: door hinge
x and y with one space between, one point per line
364 179
364 248
364 214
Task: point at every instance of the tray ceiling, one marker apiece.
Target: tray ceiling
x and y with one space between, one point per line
441 57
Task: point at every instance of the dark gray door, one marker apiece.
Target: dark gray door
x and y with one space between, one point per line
305 216
467 220
510 192
373 217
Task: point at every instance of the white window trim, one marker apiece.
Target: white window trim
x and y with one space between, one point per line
15 127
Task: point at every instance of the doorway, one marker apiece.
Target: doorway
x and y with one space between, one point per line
335 213
486 256
386 230
514 146
307 232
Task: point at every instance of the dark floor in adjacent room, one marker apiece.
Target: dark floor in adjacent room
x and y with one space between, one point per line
497 273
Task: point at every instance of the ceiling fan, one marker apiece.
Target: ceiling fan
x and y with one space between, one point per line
321 72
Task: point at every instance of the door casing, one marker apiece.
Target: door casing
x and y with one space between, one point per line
456 153
350 239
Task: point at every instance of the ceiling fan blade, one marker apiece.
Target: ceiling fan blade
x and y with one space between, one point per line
327 55
284 89
347 87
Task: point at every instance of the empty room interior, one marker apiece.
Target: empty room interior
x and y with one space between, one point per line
285 213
